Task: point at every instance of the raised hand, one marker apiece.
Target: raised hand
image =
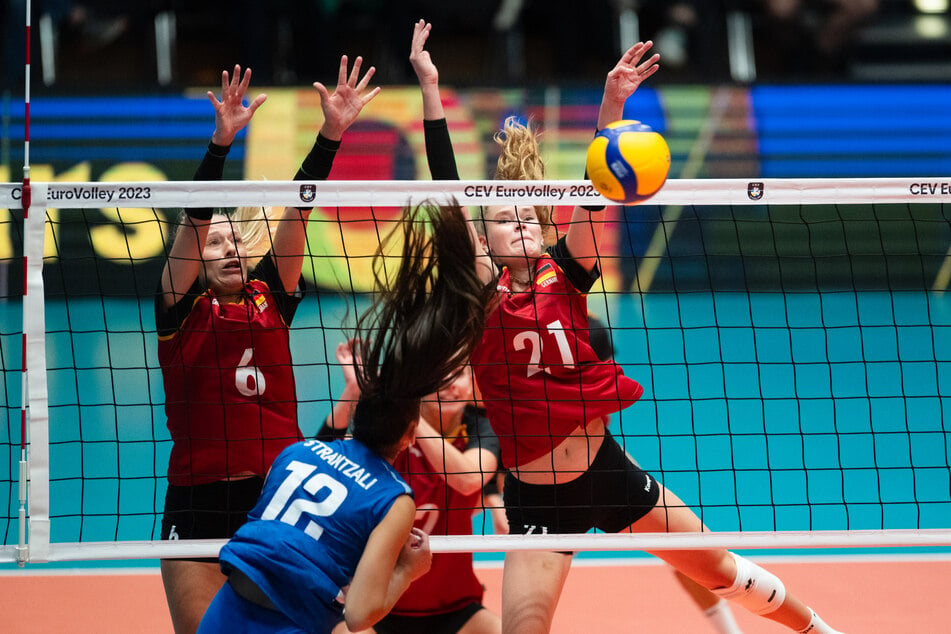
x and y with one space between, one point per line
624 79
346 352
419 57
630 71
416 557
343 106
231 114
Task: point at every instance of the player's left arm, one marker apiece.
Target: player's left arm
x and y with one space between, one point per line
340 109
583 237
395 555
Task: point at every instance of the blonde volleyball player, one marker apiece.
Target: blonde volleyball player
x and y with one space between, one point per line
547 394
224 347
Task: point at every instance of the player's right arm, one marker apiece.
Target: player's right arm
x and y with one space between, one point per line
439 154
231 116
395 555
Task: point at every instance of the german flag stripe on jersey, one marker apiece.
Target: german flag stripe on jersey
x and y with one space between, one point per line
545 274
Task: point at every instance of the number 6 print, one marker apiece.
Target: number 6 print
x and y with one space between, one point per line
247 378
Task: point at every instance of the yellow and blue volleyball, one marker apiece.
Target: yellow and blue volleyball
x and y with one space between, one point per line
628 162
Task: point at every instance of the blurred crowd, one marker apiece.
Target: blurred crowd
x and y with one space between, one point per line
104 42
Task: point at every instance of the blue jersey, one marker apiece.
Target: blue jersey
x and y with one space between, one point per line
305 536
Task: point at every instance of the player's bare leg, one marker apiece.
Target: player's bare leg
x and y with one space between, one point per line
531 586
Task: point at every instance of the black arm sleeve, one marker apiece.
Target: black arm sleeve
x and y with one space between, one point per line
316 165
211 168
439 154
581 279
326 433
479 431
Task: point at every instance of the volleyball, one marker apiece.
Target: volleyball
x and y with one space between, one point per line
628 162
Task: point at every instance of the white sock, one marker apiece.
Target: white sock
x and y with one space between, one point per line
721 617
817 626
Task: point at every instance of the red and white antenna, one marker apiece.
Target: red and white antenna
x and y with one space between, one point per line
26 117
22 552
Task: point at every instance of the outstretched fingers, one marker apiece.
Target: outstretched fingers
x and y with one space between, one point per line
368 97
256 103
634 54
352 93
648 68
245 80
421 32
234 86
366 78
231 114
355 71
322 91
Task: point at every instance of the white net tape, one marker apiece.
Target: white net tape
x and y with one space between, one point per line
331 194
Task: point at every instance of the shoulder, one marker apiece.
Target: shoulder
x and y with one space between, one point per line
580 278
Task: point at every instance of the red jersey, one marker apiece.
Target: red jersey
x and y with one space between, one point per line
450 583
539 376
230 397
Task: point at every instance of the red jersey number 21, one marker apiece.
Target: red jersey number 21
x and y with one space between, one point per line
533 342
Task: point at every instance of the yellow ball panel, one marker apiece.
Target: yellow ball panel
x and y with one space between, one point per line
648 154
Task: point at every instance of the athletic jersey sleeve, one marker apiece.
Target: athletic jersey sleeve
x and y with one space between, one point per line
439 153
168 320
328 433
287 303
577 275
212 166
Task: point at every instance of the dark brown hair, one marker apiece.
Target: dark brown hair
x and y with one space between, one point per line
423 324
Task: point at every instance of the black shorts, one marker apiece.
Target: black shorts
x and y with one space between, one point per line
209 511
611 495
445 623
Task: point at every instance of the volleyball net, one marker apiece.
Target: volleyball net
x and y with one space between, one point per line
793 338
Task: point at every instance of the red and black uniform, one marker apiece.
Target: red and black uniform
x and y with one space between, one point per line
539 376
230 397
541 379
230 400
